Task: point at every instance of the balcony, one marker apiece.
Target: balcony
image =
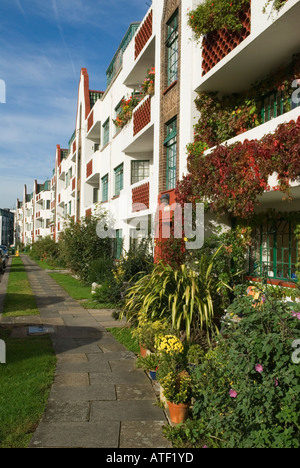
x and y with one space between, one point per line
140 55
228 61
94 123
139 134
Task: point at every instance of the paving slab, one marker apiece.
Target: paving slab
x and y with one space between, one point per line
76 435
143 434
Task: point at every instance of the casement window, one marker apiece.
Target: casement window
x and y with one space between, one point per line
118 247
140 170
274 105
172 45
105 129
171 148
274 250
104 182
119 179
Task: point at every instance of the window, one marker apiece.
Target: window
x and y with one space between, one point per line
70 208
119 176
274 250
139 170
47 204
172 48
104 181
171 146
95 195
106 133
272 106
118 244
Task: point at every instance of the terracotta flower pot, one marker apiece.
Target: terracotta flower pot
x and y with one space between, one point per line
143 351
178 413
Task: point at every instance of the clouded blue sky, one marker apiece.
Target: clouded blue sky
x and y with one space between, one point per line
43 46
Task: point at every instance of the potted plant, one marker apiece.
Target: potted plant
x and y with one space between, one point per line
171 359
149 364
147 333
178 392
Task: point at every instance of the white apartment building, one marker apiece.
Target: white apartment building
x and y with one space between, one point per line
127 170
33 214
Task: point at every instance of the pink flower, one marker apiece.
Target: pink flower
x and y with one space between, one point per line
296 315
276 383
233 394
259 368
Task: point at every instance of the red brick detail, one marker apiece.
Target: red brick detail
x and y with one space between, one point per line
144 34
58 226
74 146
141 198
220 43
90 122
88 213
89 169
73 183
142 116
59 198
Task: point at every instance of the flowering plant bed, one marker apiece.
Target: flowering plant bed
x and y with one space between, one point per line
127 108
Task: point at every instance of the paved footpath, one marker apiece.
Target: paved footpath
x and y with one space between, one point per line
98 399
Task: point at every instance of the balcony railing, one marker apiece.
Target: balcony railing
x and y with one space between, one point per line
217 45
144 34
141 198
142 116
89 169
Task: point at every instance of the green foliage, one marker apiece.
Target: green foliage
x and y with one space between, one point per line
220 14
46 250
247 389
115 277
184 297
148 363
100 270
80 245
230 249
147 332
177 387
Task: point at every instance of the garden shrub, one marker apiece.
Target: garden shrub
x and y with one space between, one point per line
100 270
80 245
247 388
48 250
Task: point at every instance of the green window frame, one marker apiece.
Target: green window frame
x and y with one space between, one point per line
273 105
104 182
140 170
70 208
105 129
119 179
274 250
118 247
172 44
170 144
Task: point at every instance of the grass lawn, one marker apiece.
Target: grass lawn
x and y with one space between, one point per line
124 336
79 291
19 300
25 382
